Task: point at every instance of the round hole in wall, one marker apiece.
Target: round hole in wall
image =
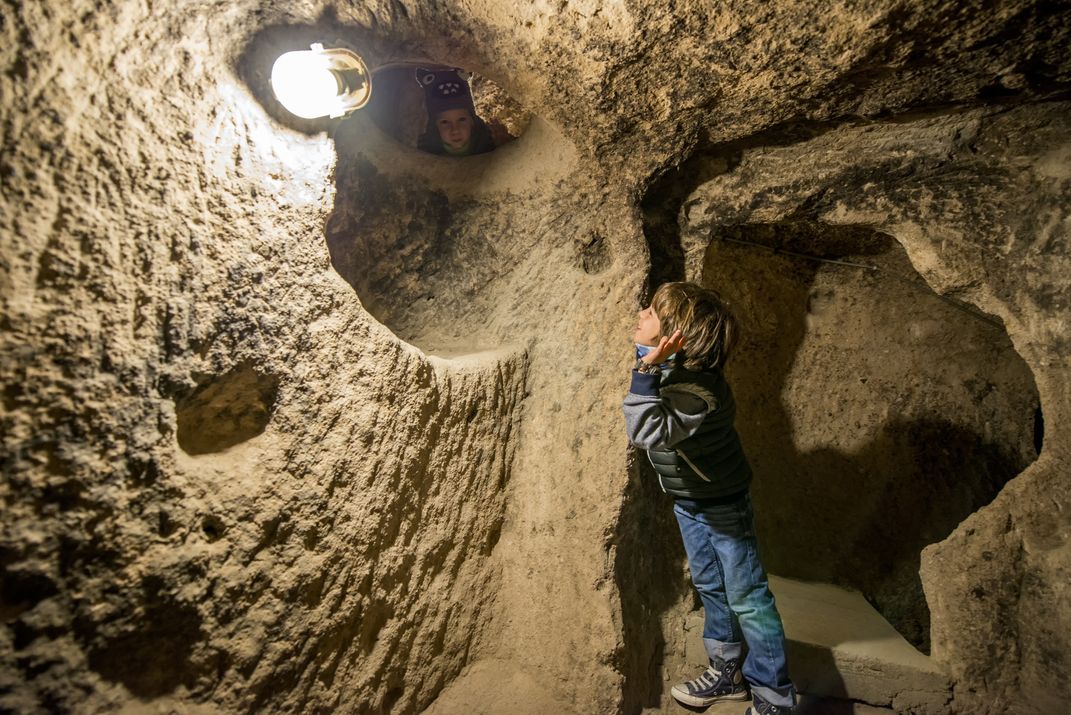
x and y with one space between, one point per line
406 225
225 410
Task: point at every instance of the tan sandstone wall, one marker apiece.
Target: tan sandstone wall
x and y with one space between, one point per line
296 419
163 246
976 199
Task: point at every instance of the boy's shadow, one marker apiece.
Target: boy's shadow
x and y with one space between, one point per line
648 569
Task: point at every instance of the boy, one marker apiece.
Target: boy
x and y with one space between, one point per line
680 410
453 127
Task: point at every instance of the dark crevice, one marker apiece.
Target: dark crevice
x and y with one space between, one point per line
667 192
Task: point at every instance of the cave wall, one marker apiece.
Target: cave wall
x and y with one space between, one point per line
440 498
977 201
877 415
328 517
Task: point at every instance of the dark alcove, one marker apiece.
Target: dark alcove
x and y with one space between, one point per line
876 413
225 411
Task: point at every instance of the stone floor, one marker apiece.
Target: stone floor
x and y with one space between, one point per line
844 657
808 706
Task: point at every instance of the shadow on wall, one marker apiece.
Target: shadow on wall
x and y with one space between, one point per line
649 575
877 416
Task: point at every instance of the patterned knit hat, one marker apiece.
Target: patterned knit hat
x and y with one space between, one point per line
444 89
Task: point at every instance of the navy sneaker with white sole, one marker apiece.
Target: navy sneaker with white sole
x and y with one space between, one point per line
761 706
721 681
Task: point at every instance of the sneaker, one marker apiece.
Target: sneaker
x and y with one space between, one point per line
721 681
760 706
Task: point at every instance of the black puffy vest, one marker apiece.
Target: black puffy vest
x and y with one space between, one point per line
710 463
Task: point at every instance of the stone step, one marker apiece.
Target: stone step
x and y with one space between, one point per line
840 647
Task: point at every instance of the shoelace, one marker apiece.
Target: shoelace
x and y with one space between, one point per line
701 681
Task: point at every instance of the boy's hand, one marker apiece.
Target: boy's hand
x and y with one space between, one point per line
666 347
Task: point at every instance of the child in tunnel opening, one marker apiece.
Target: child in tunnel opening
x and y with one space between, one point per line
453 128
680 410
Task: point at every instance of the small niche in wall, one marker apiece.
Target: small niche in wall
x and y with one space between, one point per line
225 410
444 110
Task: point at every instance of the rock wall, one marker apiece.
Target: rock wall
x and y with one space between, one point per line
957 407
298 419
224 482
878 415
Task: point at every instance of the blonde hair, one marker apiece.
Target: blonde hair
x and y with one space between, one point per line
703 318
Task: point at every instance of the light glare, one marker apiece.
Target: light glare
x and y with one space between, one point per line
309 84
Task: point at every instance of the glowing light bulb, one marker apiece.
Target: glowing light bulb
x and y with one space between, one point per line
318 83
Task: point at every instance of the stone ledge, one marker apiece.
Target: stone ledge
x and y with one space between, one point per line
840 647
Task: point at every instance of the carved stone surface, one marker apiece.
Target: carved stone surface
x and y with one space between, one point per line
298 419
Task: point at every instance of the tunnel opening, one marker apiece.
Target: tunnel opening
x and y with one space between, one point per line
878 415
409 231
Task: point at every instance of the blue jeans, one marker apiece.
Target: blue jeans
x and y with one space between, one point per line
723 557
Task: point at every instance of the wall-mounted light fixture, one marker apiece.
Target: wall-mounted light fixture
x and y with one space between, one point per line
317 83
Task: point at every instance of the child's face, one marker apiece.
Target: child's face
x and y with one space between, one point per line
455 127
649 328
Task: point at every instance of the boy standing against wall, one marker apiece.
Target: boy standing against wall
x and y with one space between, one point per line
680 410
